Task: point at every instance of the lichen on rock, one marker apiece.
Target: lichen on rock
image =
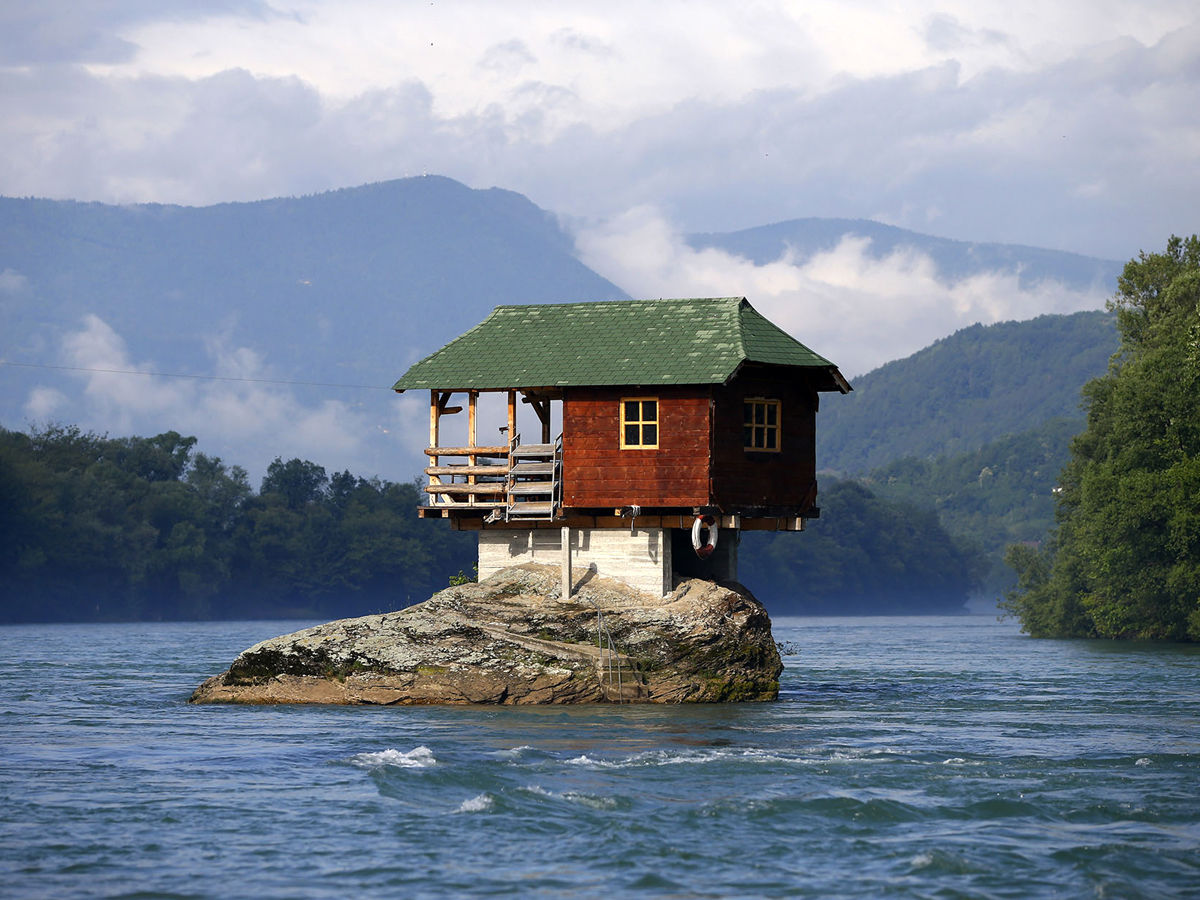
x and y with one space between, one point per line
513 639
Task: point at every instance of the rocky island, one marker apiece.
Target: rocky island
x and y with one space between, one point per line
513 639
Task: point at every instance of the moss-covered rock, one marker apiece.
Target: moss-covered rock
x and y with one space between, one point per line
513 639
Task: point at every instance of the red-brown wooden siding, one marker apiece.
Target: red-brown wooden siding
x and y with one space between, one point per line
744 478
598 473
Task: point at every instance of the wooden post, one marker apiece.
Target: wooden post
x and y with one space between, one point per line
472 402
566 562
512 415
434 413
433 423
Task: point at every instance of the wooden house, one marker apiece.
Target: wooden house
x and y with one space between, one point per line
663 429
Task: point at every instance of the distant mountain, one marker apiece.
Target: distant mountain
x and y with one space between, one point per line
1000 494
975 386
954 259
341 286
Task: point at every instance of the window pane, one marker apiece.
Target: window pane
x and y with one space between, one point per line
760 413
772 409
649 434
631 410
631 435
747 436
747 413
649 410
770 434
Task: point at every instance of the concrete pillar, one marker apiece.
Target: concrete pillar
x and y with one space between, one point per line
565 550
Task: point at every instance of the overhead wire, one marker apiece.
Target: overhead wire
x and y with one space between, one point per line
366 387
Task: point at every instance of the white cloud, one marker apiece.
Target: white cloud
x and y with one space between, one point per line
845 304
1064 125
233 413
13 283
44 403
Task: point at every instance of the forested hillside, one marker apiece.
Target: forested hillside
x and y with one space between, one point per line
95 529
975 386
998 495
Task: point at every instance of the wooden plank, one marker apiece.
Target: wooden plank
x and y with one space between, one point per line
498 471
531 487
541 450
459 505
531 469
490 490
490 452
531 509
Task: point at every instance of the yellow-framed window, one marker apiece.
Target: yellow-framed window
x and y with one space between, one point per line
760 424
639 423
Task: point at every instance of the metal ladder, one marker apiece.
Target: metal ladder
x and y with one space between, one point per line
533 489
608 653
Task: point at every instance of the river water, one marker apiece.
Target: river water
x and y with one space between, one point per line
906 757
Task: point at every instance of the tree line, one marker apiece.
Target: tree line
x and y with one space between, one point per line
1124 560
866 554
94 528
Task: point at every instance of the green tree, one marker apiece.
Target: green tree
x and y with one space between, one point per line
1125 561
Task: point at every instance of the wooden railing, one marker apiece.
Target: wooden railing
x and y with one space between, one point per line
471 483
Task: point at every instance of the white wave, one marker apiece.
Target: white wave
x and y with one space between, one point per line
582 799
684 758
512 752
590 800
921 860
1144 761
417 758
482 803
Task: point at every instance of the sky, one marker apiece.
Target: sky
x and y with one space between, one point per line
1066 125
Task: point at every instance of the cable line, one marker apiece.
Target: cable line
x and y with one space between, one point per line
365 387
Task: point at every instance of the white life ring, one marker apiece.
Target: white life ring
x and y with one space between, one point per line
704 523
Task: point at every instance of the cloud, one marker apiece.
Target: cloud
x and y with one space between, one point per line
13 283
233 413
1057 129
855 309
44 403
52 32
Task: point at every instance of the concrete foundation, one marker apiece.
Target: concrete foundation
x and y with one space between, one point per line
649 559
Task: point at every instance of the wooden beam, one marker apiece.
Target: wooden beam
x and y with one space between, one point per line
491 452
498 471
433 425
472 404
542 408
490 490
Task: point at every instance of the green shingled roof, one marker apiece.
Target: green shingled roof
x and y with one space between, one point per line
620 342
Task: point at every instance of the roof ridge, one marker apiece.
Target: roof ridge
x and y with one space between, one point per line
742 304
617 302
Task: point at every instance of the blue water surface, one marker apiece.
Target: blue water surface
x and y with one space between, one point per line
906 757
